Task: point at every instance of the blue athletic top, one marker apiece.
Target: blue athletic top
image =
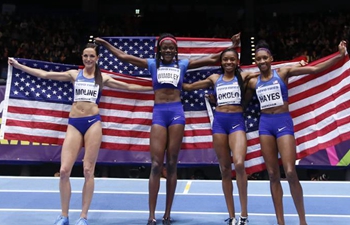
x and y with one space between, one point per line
227 92
82 78
167 76
274 80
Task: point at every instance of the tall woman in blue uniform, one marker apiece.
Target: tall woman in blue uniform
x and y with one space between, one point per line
168 120
84 124
276 131
229 131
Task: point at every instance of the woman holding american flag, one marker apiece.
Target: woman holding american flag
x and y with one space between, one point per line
276 129
168 121
84 124
229 129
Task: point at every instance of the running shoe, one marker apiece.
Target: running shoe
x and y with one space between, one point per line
152 222
231 221
62 220
243 220
166 221
81 221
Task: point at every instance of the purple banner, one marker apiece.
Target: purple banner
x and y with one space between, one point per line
338 155
46 153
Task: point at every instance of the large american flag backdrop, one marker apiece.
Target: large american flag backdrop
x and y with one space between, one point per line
37 110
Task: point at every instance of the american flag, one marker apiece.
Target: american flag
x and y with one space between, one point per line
37 110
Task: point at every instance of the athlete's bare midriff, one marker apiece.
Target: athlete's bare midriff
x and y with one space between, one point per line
83 109
278 109
166 95
229 108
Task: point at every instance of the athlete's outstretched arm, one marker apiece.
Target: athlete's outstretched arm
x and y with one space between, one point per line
137 61
61 76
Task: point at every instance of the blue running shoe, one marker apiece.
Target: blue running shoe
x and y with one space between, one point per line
62 220
81 221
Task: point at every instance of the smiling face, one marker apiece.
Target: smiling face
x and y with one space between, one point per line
168 50
89 57
229 61
263 59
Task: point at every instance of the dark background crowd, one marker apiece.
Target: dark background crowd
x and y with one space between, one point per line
57 31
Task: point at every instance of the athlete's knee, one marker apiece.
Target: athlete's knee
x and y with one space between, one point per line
291 175
239 167
226 171
274 176
171 162
171 167
64 173
172 158
156 167
89 171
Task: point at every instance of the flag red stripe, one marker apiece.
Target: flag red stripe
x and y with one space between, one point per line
201 39
325 130
198 132
123 120
322 87
197 145
308 78
319 118
255 168
127 95
253 141
331 142
37 125
38 111
144 134
252 155
201 50
122 107
126 133
192 120
123 77
328 113
146 83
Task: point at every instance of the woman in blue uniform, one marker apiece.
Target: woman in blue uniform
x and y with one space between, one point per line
84 124
168 120
229 131
276 131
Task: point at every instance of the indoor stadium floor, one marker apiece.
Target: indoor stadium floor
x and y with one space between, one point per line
35 201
